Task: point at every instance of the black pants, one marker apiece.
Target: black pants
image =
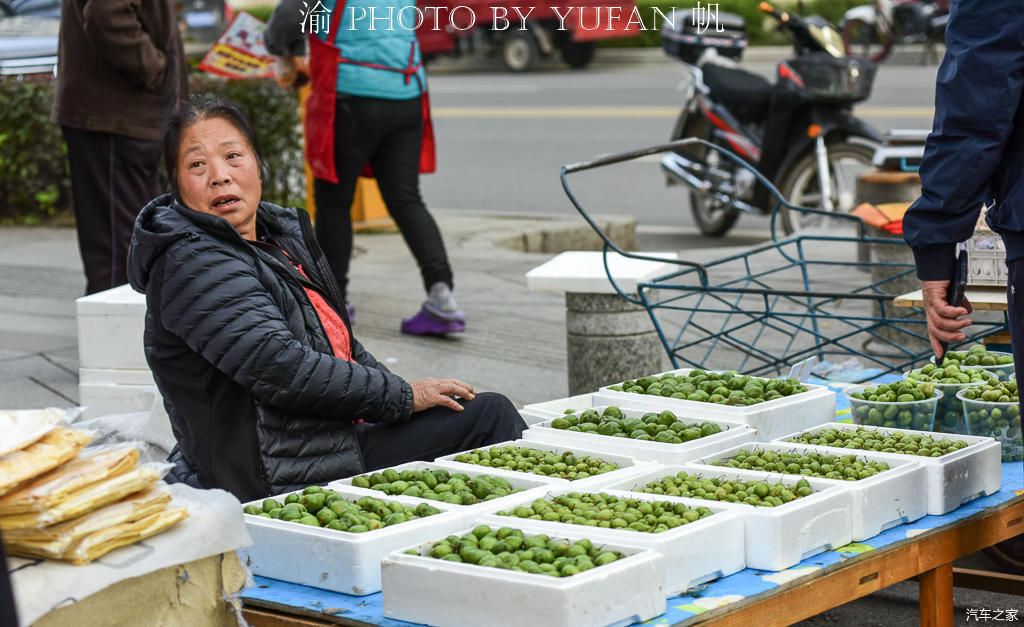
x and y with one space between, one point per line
112 178
387 134
487 419
1016 311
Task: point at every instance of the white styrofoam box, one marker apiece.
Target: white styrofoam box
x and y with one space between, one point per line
774 537
110 327
587 272
890 498
771 418
530 484
538 412
952 479
336 560
732 433
627 465
695 553
438 592
106 399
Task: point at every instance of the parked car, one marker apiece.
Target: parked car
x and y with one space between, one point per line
28 43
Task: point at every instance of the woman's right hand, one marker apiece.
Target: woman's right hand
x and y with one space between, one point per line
430 392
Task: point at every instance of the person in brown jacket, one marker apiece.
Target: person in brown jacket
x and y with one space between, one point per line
120 68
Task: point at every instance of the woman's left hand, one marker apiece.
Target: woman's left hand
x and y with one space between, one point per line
430 392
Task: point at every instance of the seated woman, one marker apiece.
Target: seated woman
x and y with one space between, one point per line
266 388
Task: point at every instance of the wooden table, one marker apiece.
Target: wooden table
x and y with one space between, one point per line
843 577
981 299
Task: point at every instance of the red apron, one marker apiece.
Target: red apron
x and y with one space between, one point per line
324 58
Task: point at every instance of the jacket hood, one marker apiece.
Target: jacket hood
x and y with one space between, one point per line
164 221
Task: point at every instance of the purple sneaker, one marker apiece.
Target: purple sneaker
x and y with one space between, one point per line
350 309
432 321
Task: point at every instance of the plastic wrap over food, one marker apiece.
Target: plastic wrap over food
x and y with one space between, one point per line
53 449
99 543
21 427
88 498
47 490
55 541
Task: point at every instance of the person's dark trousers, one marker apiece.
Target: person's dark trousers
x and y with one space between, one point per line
487 419
112 178
8 615
387 134
1015 300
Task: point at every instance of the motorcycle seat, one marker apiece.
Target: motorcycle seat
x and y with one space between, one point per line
732 86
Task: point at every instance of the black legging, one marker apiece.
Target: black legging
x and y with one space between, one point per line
387 134
487 419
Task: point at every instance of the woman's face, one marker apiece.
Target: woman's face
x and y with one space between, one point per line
218 174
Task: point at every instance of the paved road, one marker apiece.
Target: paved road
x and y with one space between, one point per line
503 137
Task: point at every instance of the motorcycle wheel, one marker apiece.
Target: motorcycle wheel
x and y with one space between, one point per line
712 217
865 40
799 184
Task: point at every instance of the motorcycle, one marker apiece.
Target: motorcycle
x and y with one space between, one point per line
799 132
872 30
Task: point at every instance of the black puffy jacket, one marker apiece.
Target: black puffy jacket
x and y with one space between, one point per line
257 400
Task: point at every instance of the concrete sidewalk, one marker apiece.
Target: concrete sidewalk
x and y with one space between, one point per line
515 341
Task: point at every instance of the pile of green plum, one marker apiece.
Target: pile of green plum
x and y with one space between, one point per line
437 485
664 427
978 355
565 465
847 467
611 512
757 493
511 549
903 404
724 388
317 507
994 411
949 414
919 444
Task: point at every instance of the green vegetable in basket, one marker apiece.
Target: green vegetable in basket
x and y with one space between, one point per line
922 445
756 493
565 465
511 549
844 468
726 388
610 512
662 427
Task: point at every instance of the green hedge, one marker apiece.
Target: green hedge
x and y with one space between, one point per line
34 182
34 179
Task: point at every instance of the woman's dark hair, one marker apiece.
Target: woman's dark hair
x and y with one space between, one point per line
201 107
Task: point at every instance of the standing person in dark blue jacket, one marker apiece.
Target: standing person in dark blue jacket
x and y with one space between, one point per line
974 156
368 112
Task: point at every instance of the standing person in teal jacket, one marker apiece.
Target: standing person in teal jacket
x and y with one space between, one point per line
369 86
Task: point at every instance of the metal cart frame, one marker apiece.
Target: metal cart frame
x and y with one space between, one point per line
769 306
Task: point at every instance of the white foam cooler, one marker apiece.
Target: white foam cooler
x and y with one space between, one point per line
530 484
538 412
694 553
732 433
890 498
438 592
771 418
775 537
954 478
110 328
628 466
336 560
